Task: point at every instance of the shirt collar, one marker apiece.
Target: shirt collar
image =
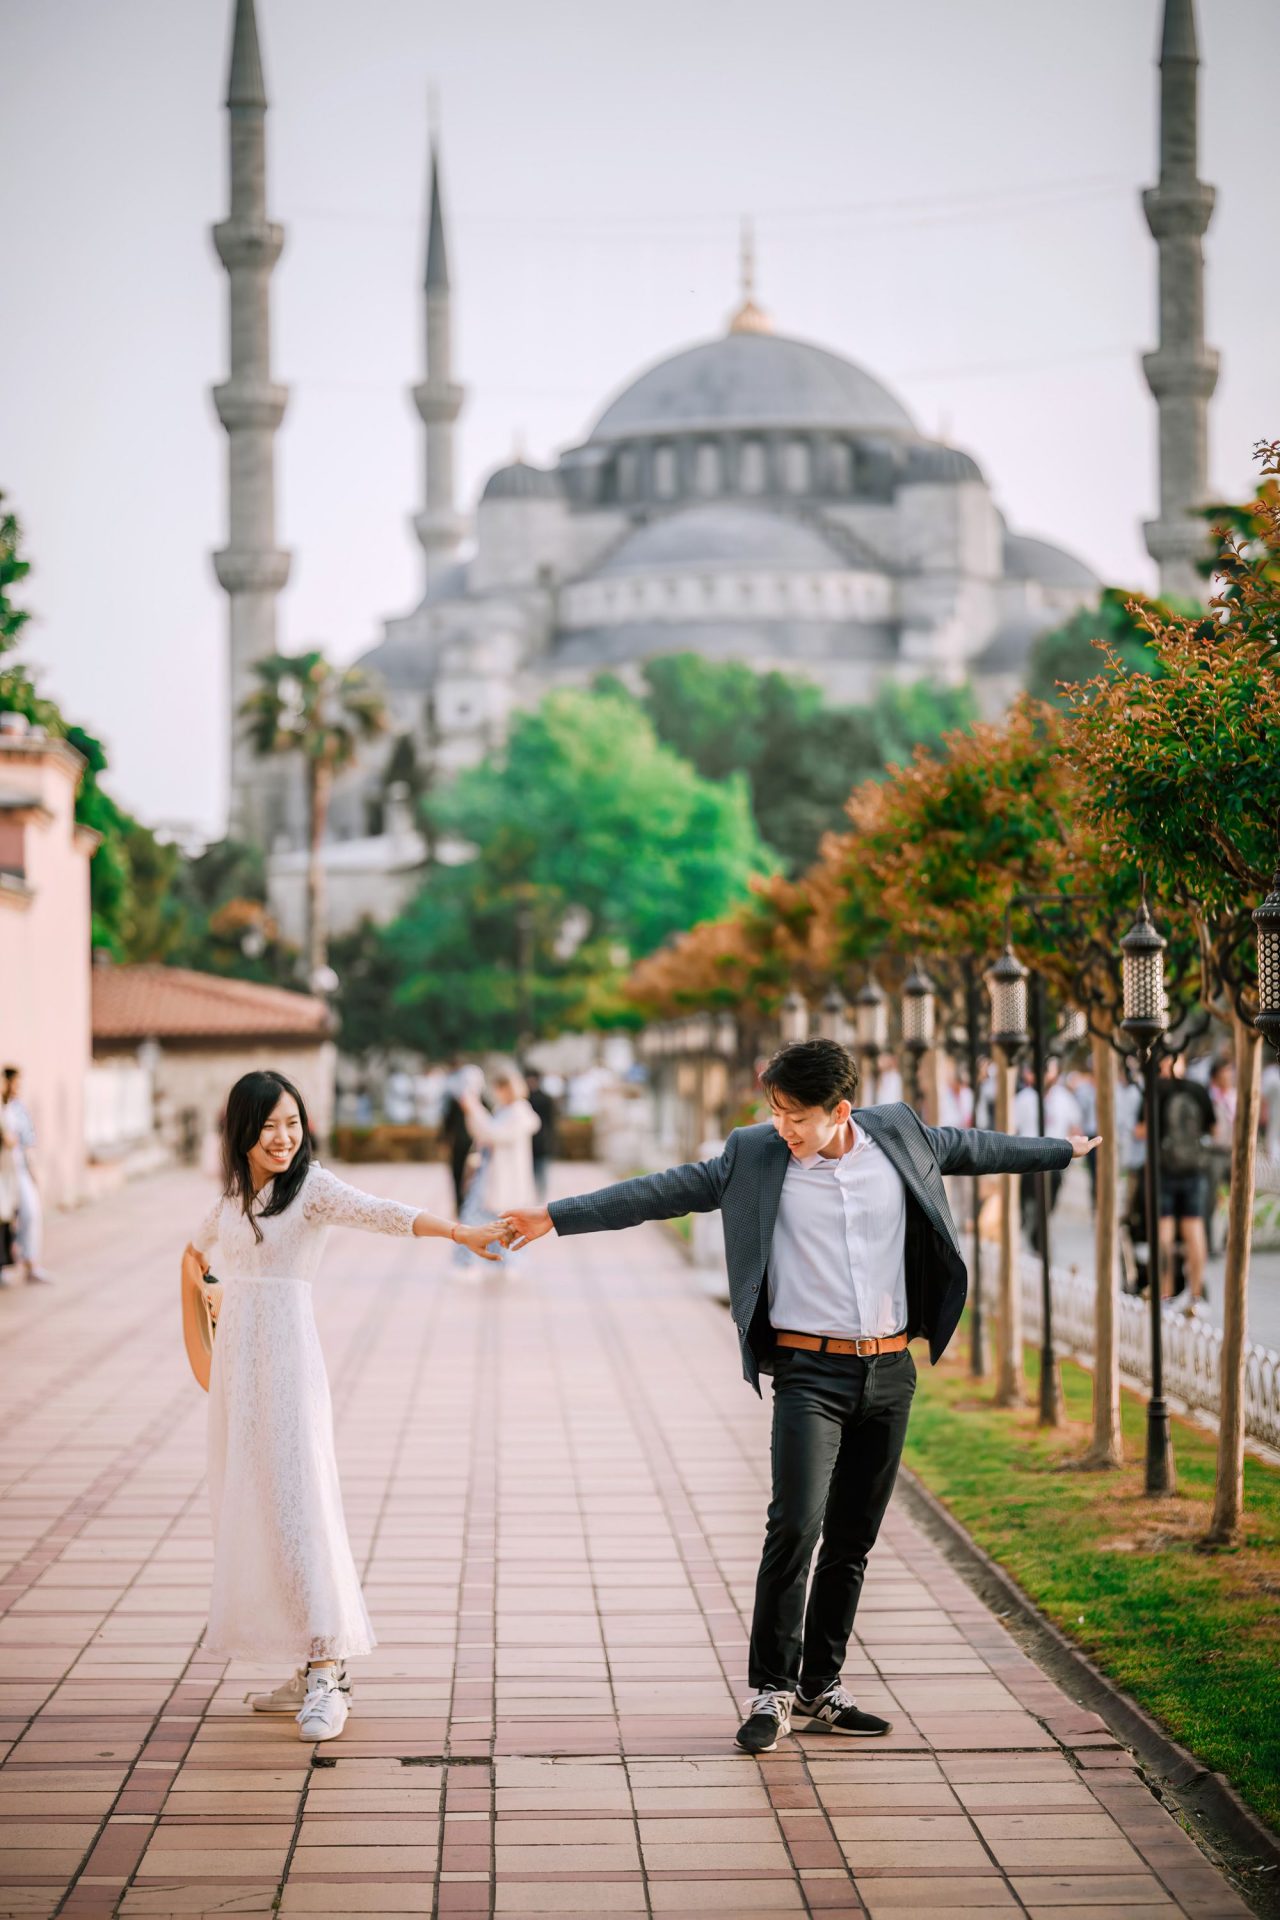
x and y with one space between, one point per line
860 1140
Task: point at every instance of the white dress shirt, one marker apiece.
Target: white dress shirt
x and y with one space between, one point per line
837 1263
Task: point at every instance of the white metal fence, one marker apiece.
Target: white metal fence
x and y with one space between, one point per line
1192 1348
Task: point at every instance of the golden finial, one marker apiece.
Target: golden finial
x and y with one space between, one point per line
749 318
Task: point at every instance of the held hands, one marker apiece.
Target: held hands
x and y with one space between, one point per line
526 1224
482 1238
1081 1144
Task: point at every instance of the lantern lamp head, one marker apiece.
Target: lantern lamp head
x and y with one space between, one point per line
871 1018
1146 1005
919 1002
1007 985
1266 919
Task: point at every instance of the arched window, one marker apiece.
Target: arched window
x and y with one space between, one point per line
708 469
664 472
628 474
840 467
797 466
752 467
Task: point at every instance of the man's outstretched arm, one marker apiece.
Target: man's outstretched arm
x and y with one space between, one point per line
695 1188
969 1150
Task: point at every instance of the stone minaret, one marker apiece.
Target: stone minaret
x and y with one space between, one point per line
438 399
250 406
1182 372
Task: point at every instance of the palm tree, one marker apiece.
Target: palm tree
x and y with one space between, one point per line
305 705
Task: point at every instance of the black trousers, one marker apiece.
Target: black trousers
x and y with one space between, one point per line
838 1428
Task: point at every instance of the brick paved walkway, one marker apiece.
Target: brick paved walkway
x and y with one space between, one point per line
555 1482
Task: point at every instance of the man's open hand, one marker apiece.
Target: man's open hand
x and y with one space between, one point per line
1081 1144
526 1224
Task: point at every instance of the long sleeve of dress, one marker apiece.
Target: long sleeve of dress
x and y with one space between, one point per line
329 1201
205 1237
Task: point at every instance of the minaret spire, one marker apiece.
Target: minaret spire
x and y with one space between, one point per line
251 567
438 398
749 318
1182 373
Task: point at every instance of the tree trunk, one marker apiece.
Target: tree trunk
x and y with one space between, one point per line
1010 1383
1228 1496
1107 1449
319 788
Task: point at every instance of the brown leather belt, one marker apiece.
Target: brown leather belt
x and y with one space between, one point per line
828 1343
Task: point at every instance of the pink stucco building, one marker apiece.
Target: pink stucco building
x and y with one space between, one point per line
44 945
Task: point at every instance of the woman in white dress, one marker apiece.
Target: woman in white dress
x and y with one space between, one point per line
284 1582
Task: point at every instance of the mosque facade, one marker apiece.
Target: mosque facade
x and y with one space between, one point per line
752 497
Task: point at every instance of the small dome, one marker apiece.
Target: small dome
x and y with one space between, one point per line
928 460
1028 559
749 379
520 481
716 537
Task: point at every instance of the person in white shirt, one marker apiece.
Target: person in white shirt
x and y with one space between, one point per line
840 1248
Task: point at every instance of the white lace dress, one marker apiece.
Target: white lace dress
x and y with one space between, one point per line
285 1585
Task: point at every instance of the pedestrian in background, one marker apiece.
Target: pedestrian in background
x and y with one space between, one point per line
545 1140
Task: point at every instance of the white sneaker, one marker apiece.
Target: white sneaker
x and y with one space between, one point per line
324 1708
286 1698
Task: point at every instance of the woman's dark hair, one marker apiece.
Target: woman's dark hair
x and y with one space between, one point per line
813 1073
250 1104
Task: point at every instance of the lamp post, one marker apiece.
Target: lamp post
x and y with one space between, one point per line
1266 919
794 1019
870 1028
1007 985
1146 1016
833 1021
919 1003
1050 1385
972 1003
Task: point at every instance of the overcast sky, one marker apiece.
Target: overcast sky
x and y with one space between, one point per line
946 193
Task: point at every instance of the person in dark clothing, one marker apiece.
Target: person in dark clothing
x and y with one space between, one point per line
1186 1121
544 1141
456 1133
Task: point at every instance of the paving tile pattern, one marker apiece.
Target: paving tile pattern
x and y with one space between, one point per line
555 1482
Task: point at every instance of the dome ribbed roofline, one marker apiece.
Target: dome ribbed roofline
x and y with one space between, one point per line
749 380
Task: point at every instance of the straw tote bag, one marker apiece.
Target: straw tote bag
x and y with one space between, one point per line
199 1317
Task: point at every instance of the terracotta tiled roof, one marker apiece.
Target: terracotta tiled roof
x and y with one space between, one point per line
173 1003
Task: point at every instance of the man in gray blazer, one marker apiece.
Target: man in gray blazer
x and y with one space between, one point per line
841 1249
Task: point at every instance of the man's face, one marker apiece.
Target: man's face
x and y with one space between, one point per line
807 1130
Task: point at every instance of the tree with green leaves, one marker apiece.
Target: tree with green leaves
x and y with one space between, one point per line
591 835
800 757
1184 774
1069 655
304 707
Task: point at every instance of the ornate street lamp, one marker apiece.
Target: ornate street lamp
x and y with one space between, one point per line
794 1019
833 1021
1266 919
871 1018
698 1030
919 1005
1146 1017
726 1035
1073 1027
1007 985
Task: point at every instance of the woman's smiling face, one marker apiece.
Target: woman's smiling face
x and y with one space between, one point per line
276 1145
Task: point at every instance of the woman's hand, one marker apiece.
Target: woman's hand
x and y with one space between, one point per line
480 1239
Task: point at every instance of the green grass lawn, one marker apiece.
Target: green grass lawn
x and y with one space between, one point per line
1194 1637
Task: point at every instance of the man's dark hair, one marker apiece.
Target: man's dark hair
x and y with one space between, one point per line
813 1073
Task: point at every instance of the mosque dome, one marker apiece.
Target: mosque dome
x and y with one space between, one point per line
749 379
713 537
1026 558
520 481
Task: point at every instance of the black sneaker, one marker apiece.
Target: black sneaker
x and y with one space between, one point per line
834 1712
768 1716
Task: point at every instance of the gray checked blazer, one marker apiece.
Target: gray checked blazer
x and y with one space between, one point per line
745 1183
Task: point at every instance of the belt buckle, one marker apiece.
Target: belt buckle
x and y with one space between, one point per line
864 1346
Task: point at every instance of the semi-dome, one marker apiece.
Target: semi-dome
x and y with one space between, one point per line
752 380
1026 558
701 538
520 481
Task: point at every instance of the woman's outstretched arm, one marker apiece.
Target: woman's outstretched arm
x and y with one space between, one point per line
333 1201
